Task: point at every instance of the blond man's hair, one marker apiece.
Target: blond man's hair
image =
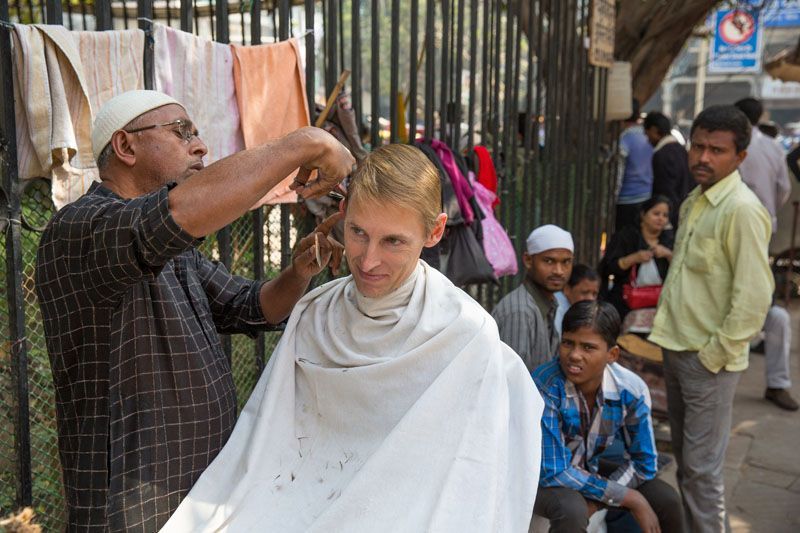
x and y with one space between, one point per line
400 175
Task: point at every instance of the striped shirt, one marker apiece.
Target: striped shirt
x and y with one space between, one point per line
525 318
572 439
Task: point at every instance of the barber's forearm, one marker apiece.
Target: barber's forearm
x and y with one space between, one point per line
226 189
279 295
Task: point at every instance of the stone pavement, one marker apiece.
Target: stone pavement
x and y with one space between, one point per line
762 467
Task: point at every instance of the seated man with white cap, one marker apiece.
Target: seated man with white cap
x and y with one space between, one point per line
390 403
145 398
526 315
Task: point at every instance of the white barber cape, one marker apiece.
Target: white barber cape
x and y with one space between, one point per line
400 413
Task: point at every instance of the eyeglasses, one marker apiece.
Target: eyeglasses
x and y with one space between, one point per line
185 129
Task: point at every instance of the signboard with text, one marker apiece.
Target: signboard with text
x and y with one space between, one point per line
737 41
602 31
782 14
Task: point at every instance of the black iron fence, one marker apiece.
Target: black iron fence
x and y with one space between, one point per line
468 73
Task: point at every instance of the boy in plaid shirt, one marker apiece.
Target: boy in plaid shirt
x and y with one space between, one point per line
590 401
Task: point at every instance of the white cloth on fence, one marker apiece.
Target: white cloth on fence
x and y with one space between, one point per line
401 413
60 77
199 74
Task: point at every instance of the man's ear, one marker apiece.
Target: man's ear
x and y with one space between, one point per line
527 260
438 230
741 156
123 148
613 354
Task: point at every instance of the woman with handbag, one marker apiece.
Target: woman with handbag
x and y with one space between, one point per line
638 259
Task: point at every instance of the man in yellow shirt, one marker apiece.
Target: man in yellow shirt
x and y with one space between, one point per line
714 300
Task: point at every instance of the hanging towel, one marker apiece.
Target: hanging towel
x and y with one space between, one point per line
398 413
54 99
112 63
270 91
198 73
460 185
487 175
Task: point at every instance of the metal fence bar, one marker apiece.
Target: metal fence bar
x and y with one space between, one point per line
561 177
255 23
374 86
331 48
394 73
412 72
430 60
473 62
145 14
223 30
224 236
459 67
102 14
443 99
69 15
485 71
13 266
355 61
169 13
528 170
583 226
55 14
286 221
509 132
260 347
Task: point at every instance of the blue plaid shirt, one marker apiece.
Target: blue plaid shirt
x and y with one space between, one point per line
572 441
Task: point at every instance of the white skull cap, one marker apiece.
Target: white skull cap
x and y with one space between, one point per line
549 237
120 110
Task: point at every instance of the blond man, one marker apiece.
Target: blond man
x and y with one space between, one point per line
390 402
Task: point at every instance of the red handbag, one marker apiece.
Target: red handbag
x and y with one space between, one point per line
639 297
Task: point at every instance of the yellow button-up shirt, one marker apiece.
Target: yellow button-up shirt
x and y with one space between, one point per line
719 285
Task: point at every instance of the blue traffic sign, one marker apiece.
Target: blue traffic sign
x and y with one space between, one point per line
737 41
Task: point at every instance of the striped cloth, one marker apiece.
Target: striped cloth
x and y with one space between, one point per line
573 439
198 73
61 79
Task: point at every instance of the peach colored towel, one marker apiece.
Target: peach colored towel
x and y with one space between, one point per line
270 90
199 74
55 96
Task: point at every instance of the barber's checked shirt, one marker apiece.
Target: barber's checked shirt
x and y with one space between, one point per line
572 439
719 286
144 393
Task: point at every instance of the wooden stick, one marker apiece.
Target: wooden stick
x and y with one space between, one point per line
332 98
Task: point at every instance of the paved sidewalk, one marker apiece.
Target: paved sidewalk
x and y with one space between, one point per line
762 467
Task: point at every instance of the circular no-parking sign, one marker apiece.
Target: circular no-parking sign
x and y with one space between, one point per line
737 27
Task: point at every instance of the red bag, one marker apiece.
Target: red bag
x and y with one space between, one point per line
639 297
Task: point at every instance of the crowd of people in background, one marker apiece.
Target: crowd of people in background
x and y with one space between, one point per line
687 269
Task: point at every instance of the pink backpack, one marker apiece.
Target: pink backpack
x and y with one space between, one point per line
496 243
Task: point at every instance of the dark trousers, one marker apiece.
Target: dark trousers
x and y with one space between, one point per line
627 215
566 508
